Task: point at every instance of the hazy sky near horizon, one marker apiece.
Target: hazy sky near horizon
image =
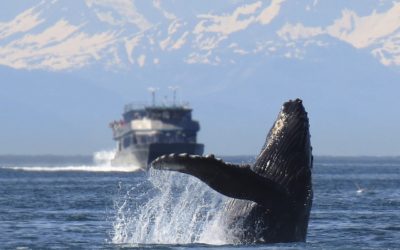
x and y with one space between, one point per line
69 67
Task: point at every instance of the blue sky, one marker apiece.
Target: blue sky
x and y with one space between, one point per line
68 68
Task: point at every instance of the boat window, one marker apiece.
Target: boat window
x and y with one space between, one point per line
141 139
126 142
134 140
156 138
166 115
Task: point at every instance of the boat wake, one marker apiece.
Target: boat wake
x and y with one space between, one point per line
101 163
169 208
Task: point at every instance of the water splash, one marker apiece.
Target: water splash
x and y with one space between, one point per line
169 208
101 163
103 157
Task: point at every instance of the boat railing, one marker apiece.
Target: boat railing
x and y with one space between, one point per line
134 106
141 106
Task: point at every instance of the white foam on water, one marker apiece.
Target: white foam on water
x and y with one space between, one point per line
170 208
101 159
81 168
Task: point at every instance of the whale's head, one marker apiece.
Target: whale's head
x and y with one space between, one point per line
286 157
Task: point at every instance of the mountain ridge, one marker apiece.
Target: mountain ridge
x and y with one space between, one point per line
63 35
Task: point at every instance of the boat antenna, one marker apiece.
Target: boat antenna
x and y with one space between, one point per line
174 89
153 91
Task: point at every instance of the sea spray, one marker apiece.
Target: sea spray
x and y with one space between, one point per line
169 208
103 157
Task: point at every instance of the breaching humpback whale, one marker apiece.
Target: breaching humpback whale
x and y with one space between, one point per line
272 197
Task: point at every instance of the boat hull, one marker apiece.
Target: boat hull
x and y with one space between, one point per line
142 155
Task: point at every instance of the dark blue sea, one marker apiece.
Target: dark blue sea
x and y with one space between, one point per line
54 202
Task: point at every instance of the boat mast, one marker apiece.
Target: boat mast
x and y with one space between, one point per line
174 89
153 91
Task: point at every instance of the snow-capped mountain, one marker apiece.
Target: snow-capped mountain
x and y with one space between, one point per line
72 65
123 34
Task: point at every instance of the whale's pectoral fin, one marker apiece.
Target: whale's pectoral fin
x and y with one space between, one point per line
235 181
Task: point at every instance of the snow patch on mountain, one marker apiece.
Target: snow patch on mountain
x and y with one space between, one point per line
378 32
24 22
118 12
58 47
364 31
167 15
299 31
389 52
130 44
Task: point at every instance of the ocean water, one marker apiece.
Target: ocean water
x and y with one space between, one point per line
80 203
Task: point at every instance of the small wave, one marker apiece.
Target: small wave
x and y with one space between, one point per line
101 163
82 168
